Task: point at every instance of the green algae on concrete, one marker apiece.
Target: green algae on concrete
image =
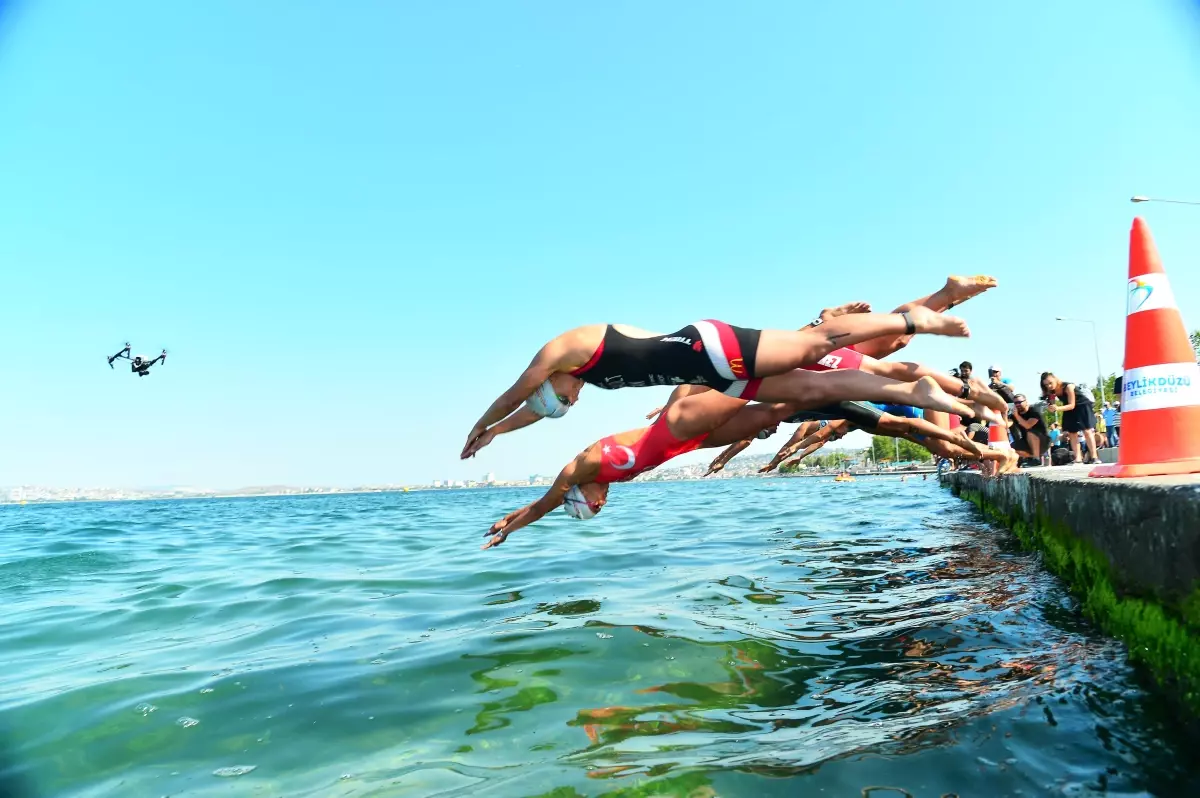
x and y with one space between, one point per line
1058 513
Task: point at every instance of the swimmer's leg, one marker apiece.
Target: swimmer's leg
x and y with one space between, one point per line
780 351
916 429
806 389
956 291
975 390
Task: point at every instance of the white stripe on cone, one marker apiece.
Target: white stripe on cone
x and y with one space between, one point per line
1160 387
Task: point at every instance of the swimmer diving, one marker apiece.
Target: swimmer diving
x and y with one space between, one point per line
139 364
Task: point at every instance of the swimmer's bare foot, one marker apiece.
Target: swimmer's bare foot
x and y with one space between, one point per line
934 323
843 310
973 446
959 289
981 413
1011 459
926 393
986 396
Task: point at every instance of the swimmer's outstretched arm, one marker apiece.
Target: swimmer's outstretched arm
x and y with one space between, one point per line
794 444
544 363
831 431
515 421
584 468
728 454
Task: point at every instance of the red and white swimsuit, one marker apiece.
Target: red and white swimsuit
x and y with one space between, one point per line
621 463
845 359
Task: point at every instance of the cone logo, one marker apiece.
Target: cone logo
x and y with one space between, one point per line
1160 395
1150 292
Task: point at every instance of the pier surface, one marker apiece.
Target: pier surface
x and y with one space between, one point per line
1129 549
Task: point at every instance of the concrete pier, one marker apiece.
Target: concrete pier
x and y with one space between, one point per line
1129 549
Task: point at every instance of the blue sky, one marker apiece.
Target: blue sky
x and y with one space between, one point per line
353 224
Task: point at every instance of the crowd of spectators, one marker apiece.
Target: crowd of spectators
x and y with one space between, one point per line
1064 426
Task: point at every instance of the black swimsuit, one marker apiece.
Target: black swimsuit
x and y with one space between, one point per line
860 414
709 353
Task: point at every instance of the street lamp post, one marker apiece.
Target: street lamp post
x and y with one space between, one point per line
1096 343
1140 198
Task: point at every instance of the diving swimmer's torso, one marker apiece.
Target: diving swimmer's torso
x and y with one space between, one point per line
709 353
656 445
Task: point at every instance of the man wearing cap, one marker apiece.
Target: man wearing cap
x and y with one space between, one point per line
1110 423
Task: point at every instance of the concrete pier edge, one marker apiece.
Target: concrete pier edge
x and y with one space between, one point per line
1129 550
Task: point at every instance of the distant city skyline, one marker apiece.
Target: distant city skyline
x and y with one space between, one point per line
351 244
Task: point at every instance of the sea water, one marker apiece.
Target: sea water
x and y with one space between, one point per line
731 638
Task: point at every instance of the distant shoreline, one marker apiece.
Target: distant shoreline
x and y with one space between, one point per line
417 489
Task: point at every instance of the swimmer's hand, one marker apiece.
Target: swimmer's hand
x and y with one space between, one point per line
472 445
483 439
498 532
654 413
768 468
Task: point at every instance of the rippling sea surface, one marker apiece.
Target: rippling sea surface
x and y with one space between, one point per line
733 638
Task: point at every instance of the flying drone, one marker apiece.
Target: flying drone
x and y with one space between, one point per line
139 364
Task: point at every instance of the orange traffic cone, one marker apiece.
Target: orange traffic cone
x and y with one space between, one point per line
1160 396
998 437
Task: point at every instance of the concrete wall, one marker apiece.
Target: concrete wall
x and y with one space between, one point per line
1130 549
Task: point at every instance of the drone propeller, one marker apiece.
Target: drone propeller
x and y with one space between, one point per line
123 353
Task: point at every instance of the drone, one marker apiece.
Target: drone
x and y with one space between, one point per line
140 365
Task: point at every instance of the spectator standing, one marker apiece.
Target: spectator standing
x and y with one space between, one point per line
1110 423
1078 413
1115 426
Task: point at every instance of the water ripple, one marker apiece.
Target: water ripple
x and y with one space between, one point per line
759 637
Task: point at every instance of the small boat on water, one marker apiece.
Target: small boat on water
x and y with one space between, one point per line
843 478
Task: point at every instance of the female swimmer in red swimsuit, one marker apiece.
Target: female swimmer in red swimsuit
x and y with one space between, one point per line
729 359
697 418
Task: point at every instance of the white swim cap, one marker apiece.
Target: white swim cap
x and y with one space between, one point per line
545 402
577 505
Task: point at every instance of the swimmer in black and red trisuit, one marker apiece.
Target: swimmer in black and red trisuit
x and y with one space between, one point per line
697 417
714 354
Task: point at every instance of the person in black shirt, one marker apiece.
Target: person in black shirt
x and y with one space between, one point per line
1078 414
1030 426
